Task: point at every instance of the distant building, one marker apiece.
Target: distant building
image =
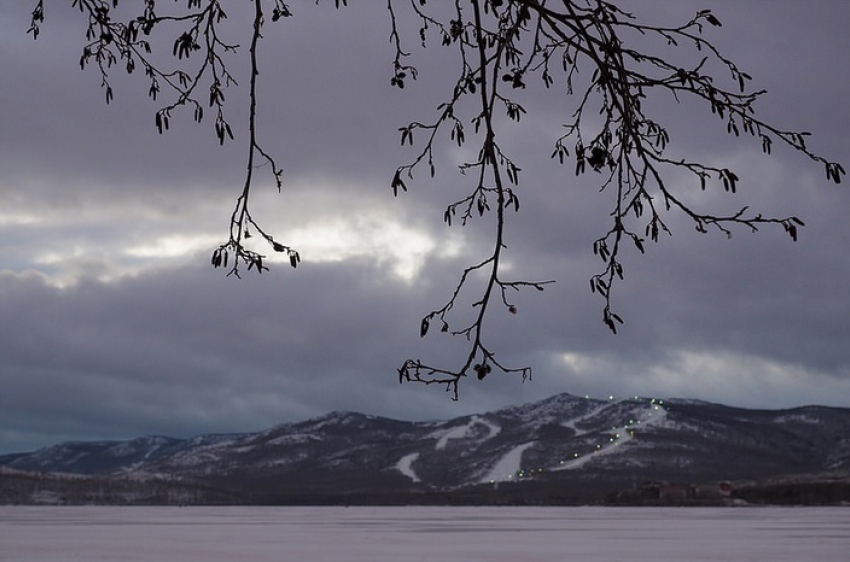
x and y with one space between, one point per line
678 492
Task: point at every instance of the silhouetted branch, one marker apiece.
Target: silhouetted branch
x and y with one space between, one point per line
586 47
515 39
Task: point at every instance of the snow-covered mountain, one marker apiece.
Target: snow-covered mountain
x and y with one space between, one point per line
101 457
564 444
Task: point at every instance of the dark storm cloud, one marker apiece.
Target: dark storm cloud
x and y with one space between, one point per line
202 353
114 325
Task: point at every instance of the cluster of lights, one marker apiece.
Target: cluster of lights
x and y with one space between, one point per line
522 473
628 428
655 405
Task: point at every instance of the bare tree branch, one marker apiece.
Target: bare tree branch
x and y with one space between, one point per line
502 46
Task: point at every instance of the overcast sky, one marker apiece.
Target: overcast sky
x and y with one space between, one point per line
114 325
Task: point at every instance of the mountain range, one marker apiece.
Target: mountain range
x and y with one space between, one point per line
564 449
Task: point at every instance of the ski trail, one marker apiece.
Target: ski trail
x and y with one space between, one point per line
572 423
508 465
463 431
405 466
619 436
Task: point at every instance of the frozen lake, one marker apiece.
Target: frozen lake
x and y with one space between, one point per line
315 534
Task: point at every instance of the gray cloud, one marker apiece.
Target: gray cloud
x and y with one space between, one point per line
114 325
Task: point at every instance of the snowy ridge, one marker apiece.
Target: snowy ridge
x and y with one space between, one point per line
564 441
294 438
643 417
466 431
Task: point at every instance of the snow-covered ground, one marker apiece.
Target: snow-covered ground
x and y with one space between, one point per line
398 534
508 466
465 431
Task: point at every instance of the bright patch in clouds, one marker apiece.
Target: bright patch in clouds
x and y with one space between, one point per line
114 259
401 247
174 246
18 219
